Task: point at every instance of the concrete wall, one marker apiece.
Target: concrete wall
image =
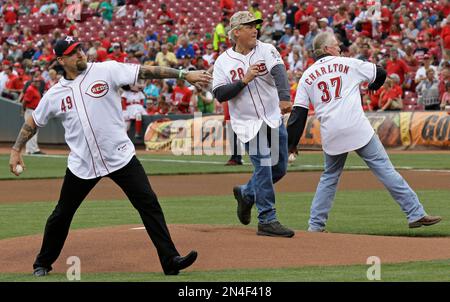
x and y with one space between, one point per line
11 121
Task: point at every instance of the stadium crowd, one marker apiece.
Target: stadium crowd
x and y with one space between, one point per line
410 39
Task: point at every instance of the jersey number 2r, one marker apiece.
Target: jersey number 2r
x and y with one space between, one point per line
66 104
323 86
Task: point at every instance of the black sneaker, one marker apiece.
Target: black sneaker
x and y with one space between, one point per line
40 272
244 209
274 229
179 263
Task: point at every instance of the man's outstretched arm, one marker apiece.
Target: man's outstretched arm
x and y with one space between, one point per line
200 77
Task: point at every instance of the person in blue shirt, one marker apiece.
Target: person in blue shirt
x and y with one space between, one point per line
185 49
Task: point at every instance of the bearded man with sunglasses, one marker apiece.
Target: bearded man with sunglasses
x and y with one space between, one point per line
88 103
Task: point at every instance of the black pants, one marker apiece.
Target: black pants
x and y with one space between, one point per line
134 182
234 143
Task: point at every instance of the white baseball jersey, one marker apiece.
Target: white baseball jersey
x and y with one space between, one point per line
134 104
258 102
331 84
91 113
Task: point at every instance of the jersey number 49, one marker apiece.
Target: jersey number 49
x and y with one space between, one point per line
66 104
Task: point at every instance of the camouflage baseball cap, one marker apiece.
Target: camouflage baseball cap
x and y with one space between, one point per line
243 17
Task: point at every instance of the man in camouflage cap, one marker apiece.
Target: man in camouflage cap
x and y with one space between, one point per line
252 77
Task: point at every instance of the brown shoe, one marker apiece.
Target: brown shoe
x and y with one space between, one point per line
426 220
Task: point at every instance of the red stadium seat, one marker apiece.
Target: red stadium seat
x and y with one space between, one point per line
410 101
410 95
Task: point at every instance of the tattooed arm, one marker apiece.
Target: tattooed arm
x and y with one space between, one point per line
157 72
29 129
200 77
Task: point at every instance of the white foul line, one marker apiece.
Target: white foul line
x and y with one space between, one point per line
248 164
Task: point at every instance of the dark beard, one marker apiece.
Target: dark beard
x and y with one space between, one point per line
81 66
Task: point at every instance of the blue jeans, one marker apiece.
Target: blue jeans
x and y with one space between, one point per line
378 161
269 155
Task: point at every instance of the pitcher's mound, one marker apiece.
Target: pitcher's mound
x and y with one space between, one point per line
128 249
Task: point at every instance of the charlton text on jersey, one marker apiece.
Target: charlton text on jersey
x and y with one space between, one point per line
330 68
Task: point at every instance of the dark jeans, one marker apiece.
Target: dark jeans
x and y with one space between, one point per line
270 160
134 182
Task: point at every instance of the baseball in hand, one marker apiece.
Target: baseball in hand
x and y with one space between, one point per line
292 158
19 169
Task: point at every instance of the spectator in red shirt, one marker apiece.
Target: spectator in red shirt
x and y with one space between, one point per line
102 53
32 96
391 97
106 42
47 55
165 17
71 29
117 54
302 17
340 19
31 99
227 7
396 65
10 15
13 85
443 8
374 97
97 53
386 21
445 34
162 108
181 96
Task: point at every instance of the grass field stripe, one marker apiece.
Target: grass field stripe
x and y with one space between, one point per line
248 164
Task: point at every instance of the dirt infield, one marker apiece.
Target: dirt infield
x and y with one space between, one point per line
123 249
216 184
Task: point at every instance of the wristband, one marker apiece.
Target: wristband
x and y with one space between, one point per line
182 74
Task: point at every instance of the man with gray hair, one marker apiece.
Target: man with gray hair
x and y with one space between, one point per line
252 77
331 85
309 38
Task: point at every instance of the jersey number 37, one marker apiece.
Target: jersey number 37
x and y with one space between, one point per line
326 95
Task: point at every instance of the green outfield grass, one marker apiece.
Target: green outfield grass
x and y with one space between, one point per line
368 212
54 167
412 271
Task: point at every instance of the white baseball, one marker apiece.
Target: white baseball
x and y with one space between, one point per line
19 169
292 158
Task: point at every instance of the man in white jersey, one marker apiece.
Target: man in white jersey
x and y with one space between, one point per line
331 84
133 106
252 77
86 99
